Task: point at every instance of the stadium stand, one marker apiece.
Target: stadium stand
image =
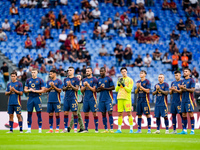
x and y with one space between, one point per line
166 21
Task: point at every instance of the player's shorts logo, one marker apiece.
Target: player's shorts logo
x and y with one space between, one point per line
32 85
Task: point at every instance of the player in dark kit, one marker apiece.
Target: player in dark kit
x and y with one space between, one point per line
14 91
90 100
34 87
105 86
143 89
176 99
71 85
161 91
187 105
54 88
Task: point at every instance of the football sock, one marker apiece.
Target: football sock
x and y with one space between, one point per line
166 123
181 119
96 122
20 125
105 122
192 123
57 122
119 122
139 123
130 119
66 121
174 121
86 122
111 121
149 123
75 121
51 122
158 123
185 123
11 125
39 119
29 120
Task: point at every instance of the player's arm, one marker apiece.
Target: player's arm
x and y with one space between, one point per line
128 88
40 91
178 91
83 89
26 90
155 90
191 90
164 92
144 89
93 89
117 87
56 88
110 88
18 92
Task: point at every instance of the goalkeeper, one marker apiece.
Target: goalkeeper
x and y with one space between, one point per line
124 88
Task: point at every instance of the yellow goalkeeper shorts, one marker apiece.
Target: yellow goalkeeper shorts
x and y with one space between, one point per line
124 104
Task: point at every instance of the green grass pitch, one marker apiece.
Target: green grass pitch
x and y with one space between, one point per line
98 141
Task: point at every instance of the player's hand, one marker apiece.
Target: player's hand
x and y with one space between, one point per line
138 85
102 87
31 90
69 83
11 89
85 83
52 84
157 87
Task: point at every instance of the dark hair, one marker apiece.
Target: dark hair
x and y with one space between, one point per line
4 62
123 69
187 69
53 70
177 71
89 68
143 71
71 67
103 68
14 72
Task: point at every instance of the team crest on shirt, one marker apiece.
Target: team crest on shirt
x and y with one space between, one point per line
188 82
16 85
90 81
99 82
163 87
105 81
73 81
144 84
36 81
30 82
55 83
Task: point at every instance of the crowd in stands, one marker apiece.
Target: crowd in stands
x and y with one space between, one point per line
73 50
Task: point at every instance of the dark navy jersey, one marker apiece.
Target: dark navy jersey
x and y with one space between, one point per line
161 99
70 94
187 96
53 95
143 96
176 97
14 99
89 95
106 82
35 84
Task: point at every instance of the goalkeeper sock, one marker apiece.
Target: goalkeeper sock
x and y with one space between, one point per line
119 122
130 119
139 123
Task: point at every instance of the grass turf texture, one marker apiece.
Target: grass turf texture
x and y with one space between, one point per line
98 141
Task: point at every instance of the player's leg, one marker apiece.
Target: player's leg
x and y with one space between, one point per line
146 110
93 108
157 116
80 120
164 113
192 122
127 106
50 111
149 122
66 109
173 112
57 110
120 106
38 108
102 109
109 108
30 111
74 108
184 118
11 123
86 110
139 114
19 117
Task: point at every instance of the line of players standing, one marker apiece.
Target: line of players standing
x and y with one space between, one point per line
182 91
